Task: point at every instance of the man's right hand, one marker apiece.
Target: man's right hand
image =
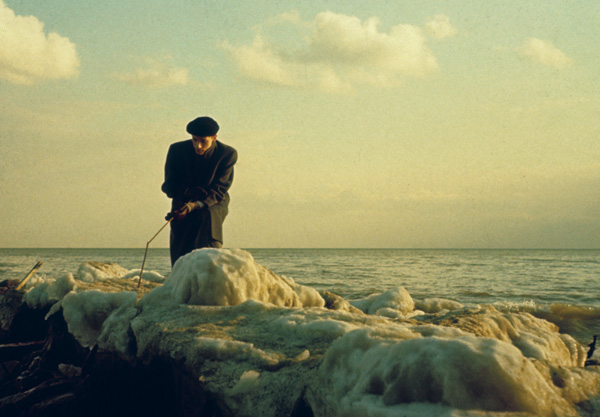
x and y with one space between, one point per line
186 209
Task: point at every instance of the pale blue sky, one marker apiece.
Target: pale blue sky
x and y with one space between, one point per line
358 124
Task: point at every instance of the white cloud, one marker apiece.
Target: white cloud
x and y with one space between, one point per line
260 61
291 17
157 73
339 52
341 39
440 27
545 53
28 55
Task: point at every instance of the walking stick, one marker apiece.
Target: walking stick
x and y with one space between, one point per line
169 218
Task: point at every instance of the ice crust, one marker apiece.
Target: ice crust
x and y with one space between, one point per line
261 341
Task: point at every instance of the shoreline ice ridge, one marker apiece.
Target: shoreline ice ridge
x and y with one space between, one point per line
260 342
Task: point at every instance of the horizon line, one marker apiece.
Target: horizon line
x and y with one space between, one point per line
311 248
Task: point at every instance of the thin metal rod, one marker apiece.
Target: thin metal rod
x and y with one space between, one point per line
146 253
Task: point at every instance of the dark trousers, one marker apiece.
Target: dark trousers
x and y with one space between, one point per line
193 232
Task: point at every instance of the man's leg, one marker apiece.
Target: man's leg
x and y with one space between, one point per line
204 237
183 235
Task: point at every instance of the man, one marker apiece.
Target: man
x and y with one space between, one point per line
198 174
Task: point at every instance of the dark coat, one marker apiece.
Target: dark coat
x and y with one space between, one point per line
211 172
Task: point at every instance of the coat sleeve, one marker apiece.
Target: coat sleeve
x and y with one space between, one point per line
174 184
217 189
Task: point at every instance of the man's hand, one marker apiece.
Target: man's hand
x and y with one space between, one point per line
186 209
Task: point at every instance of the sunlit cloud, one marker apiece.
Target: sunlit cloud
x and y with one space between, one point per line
260 61
156 73
544 52
28 55
341 39
440 27
290 17
338 53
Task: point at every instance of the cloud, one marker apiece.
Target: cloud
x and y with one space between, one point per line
28 55
544 52
340 39
440 28
337 53
290 17
260 61
157 73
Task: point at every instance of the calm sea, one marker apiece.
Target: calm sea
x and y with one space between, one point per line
469 276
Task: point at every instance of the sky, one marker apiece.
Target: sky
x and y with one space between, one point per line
365 124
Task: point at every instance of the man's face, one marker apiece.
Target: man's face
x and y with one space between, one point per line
203 143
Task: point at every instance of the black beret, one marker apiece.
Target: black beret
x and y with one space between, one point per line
203 126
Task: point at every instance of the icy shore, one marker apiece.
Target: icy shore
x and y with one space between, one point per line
252 343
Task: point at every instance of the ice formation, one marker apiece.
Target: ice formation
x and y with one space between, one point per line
261 342
436 305
379 371
50 291
397 299
230 277
151 276
94 271
98 318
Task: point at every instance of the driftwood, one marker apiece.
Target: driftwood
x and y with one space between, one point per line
24 280
64 405
13 351
47 389
59 377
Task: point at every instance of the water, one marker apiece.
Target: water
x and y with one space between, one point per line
470 276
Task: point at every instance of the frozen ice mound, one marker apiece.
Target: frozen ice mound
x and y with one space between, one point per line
367 370
228 277
95 317
535 338
49 291
397 299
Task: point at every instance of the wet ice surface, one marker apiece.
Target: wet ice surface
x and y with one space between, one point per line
261 341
